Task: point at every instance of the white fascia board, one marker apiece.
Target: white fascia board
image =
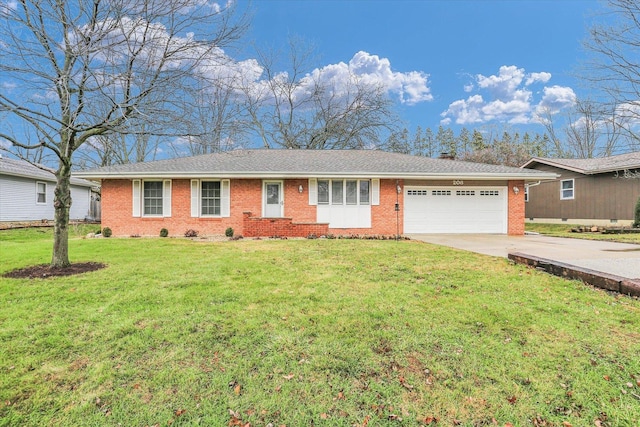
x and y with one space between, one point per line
306 175
51 178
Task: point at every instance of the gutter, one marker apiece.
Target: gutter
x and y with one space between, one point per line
306 175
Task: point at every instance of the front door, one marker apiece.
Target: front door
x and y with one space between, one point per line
273 201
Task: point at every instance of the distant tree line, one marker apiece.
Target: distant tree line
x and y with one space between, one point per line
506 148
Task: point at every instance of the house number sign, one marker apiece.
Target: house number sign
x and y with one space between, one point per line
458 182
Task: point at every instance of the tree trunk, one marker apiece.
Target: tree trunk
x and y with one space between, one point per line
61 204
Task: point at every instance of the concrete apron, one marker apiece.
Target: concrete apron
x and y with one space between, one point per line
620 259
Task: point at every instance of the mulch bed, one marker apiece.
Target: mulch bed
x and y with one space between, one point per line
44 271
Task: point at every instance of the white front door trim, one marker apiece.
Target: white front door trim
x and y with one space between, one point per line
272 199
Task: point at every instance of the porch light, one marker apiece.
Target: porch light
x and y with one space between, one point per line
516 190
398 189
300 188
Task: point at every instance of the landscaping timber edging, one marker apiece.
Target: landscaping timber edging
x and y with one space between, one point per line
599 279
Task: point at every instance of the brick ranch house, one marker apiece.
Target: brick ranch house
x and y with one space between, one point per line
298 193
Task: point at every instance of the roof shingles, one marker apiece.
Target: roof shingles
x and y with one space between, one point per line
25 169
308 163
595 165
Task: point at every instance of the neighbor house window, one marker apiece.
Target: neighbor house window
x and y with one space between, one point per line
567 189
41 193
211 198
152 198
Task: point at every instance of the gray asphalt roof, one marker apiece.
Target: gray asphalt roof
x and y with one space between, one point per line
593 166
27 170
312 163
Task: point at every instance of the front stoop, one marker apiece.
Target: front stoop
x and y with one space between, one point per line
607 281
280 227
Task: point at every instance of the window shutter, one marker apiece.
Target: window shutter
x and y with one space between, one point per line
313 191
166 198
225 199
195 198
375 192
135 185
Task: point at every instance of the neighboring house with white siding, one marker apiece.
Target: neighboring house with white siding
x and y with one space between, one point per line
27 193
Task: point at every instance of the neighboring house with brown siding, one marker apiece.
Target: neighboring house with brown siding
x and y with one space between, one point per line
27 193
602 191
312 192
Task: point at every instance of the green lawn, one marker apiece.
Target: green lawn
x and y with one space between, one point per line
564 230
308 333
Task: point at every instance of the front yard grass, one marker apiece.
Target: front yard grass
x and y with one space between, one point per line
308 333
564 230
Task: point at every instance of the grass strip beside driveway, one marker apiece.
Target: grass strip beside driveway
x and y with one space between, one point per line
564 230
308 332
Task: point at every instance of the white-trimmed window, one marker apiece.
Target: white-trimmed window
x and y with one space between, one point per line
526 193
365 192
152 198
344 192
210 198
323 192
41 193
210 193
337 193
344 203
567 189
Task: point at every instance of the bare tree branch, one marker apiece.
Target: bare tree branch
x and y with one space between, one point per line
80 72
305 109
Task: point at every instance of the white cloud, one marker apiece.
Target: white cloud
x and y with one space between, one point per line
505 83
118 38
556 98
410 88
538 77
508 98
465 110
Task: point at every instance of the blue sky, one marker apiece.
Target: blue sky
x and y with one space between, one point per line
491 65
486 62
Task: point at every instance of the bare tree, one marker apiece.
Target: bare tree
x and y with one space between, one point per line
504 151
82 69
557 147
309 109
590 131
615 44
215 118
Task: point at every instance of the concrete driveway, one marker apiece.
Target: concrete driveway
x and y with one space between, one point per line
621 259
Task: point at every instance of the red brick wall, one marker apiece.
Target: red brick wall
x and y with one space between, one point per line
117 209
515 207
246 196
281 227
296 204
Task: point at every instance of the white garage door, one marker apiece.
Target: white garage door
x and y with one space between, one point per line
455 210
